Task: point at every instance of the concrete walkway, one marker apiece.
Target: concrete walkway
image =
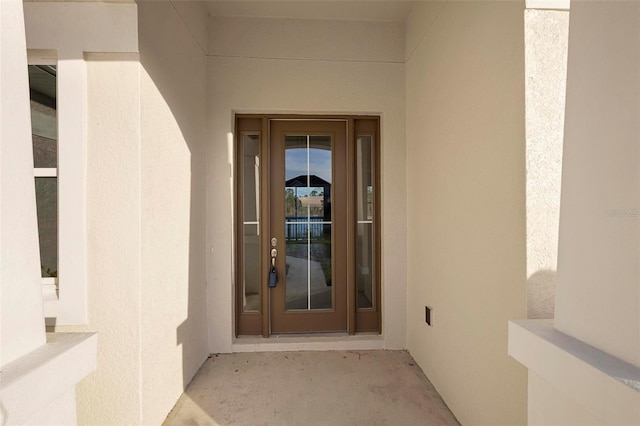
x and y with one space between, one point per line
311 388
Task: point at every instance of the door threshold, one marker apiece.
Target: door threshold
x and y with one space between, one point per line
318 334
308 342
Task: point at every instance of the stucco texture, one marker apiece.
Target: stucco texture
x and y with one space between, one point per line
282 80
598 281
146 128
112 393
466 204
21 314
172 164
546 39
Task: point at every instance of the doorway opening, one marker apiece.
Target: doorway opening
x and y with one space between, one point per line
308 224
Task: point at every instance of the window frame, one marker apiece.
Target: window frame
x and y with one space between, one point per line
359 320
64 297
49 284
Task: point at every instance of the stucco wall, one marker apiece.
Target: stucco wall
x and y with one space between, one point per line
585 370
466 203
111 395
549 407
546 40
290 66
598 281
173 129
21 319
146 127
69 30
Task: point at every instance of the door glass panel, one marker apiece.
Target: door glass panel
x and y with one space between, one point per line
364 176
251 225
320 267
251 177
308 174
251 272
44 124
296 176
47 210
297 271
364 215
364 265
320 177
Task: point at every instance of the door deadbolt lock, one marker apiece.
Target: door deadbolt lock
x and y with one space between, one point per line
274 242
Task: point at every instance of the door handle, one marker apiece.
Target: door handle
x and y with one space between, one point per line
273 275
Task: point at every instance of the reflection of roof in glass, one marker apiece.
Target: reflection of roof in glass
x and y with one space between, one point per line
301 181
42 83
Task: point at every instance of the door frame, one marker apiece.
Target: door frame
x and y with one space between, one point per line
333 319
359 320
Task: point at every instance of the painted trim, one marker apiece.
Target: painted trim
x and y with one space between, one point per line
603 385
548 4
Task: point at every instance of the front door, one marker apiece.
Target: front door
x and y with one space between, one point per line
308 215
307 212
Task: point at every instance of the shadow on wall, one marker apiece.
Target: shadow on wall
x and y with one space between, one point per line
541 294
176 65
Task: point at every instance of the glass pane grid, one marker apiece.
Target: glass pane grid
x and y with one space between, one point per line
44 139
308 222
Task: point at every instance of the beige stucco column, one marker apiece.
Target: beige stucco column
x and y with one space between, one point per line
584 367
22 319
546 39
28 357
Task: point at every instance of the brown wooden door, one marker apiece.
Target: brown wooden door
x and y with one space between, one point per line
308 219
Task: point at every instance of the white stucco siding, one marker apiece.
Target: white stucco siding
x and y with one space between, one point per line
583 368
466 205
546 40
288 83
112 394
598 282
144 138
173 116
77 28
20 283
313 39
63 32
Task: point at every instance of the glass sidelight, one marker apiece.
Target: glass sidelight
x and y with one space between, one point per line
365 280
251 222
308 236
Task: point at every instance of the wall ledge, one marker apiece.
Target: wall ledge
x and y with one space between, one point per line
32 382
602 384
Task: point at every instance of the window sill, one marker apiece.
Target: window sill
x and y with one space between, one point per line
51 303
31 383
603 385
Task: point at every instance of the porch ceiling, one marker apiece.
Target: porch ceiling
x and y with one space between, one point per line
360 10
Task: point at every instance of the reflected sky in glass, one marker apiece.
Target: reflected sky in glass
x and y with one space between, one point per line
296 160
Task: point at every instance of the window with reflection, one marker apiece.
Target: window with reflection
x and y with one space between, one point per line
44 131
365 275
251 221
308 222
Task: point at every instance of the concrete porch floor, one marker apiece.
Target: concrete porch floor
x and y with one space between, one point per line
311 388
